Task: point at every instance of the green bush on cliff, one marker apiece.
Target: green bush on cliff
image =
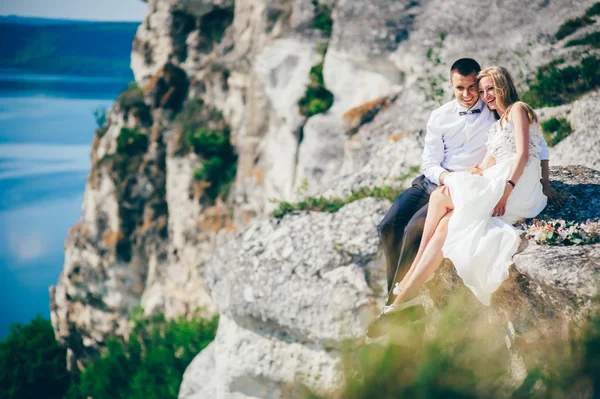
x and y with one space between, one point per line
132 97
214 24
555 130
207 134
317 99
574 24
32 363
555 86
593 39
323 20
131 143
150 365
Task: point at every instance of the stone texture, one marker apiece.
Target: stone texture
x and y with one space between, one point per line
581 146
311 280
270 288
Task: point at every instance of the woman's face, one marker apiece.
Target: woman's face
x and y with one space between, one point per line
487 92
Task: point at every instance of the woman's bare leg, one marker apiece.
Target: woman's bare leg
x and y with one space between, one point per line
440 204
430 260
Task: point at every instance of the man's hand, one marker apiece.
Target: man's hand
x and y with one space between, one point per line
443 177
553 197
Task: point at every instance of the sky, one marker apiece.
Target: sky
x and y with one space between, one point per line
100 10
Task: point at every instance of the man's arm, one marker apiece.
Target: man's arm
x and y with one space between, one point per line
433 154
554 198
549 192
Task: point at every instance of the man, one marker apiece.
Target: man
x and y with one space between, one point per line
455 140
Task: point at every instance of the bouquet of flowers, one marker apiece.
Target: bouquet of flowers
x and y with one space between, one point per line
561 232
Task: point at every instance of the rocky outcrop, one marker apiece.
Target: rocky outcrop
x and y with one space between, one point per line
580 147
300 286
147 231
303 285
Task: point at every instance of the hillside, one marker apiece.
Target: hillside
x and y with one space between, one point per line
67 47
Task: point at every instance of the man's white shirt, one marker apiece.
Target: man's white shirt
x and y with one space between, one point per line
455 142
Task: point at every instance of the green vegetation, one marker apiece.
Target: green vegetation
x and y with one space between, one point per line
555 86
434 90
323 20
218 160
71 47
32 364
317 99
465 356
555 130
214 24
100 115
323 204
150 365
209 137
592 39
125 169
132 97
573 25
131 143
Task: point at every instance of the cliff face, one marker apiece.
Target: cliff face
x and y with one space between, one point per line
147 236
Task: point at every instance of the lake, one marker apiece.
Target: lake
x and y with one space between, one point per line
46 129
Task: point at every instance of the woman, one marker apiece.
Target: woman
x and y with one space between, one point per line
470 218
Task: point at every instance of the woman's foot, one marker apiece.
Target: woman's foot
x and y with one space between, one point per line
400 306
399 313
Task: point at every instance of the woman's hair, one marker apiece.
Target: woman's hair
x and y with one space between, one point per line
506 92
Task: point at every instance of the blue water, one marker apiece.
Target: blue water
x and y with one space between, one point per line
46 129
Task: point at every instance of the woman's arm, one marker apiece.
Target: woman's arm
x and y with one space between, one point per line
520 123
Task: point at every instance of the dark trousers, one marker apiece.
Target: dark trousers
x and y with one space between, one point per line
401 229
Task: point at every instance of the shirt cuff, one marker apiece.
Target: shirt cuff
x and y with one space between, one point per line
433 174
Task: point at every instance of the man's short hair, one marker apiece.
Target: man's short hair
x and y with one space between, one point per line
465 67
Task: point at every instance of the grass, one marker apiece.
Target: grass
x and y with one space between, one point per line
592 39
465 356
324 204
554 85
572 25
555 130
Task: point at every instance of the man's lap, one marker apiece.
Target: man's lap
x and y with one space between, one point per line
410 201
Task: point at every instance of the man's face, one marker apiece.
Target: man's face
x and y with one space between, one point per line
465 89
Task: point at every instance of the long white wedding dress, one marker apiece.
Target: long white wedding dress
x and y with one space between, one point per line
480 246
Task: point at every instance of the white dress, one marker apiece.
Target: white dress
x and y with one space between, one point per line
480 246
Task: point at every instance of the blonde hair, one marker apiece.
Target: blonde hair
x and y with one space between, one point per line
506 93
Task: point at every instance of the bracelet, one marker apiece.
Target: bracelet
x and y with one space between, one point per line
512 183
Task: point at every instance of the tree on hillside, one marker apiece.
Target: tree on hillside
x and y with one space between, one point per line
32 363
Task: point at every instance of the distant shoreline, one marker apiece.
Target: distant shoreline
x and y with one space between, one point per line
21 19
67 47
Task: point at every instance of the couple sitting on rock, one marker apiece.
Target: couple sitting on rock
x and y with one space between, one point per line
485 166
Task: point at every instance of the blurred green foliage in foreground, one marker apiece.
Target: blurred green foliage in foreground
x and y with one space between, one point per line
467 357
149 365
